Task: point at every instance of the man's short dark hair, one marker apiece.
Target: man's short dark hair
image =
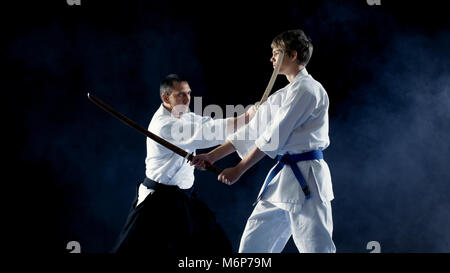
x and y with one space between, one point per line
295 40
166 84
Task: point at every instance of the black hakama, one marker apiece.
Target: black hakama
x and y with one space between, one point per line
171 221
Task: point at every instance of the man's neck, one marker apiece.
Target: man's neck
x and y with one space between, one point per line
167 107
174 113
293 72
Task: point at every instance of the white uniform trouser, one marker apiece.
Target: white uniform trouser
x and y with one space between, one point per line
269 228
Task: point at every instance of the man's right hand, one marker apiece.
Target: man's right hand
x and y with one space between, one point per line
198 161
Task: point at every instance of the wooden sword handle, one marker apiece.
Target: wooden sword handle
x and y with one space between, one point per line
271 81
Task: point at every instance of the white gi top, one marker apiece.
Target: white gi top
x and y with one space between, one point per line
294 119
167 167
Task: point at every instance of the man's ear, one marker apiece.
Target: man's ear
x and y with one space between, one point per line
293 55
165 98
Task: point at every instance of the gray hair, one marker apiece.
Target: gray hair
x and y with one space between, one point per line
166 84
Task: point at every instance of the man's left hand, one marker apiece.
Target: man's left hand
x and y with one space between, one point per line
230 175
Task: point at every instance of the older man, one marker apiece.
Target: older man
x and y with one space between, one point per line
167 217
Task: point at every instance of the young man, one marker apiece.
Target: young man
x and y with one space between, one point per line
166 218
295 197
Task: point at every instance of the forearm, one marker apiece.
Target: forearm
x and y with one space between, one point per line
251 159
235 123
241 120
221 151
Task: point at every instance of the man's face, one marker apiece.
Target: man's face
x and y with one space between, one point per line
179 97
276 52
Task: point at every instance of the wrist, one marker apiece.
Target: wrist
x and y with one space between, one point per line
241 167
211 157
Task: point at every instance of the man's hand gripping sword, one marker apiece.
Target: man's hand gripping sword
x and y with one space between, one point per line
149 134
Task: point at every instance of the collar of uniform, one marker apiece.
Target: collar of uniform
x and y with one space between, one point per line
301 73
162 111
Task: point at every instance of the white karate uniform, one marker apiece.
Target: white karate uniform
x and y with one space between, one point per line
167 167
296 122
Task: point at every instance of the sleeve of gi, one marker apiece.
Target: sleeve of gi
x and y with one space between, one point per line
294 111
243 139
240 141
193 132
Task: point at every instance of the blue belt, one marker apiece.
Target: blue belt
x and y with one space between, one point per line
292 161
